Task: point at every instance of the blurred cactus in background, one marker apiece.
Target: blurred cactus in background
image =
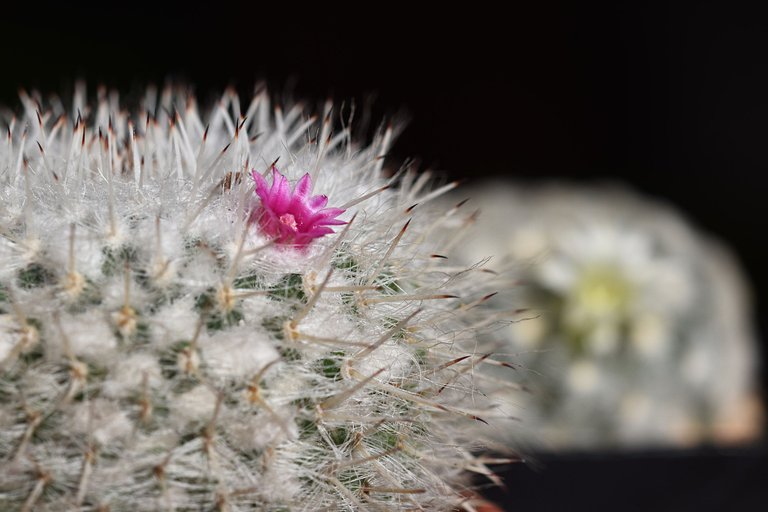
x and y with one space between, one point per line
181 328
638 330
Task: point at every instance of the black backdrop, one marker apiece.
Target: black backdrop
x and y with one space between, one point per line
672 99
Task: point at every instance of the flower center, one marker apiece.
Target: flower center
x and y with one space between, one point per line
603 292
289 220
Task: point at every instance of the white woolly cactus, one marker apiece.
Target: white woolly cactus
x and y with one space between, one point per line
637 332
176 335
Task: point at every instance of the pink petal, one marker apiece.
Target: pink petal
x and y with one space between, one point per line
317 202
261 186
332 212
303 187
280 195
304 239
331 222
319 231
298 205
326 216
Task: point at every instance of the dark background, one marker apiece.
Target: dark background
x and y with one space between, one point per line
671 99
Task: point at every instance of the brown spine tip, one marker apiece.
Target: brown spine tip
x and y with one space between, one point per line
410 208
454 361
205 133
440 256
461 203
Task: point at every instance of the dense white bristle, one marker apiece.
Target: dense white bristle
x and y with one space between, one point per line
159 353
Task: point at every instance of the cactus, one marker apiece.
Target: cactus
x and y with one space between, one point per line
163 347
638 331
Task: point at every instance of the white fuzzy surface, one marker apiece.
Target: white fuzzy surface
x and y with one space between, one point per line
156 353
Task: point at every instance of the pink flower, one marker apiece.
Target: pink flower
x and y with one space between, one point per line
292 217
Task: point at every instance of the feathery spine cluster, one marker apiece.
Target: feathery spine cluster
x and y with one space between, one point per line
159 352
